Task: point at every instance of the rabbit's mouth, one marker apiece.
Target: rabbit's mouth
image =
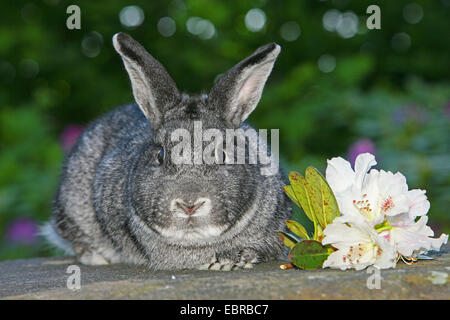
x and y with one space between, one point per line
191 221
190 210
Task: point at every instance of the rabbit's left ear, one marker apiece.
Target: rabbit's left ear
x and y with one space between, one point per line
237 92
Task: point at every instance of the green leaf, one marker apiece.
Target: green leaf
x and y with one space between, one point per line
287 239
298 184
290 192
297 229
309 254
322 199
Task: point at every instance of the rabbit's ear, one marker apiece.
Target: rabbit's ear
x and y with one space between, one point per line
238 91
153 88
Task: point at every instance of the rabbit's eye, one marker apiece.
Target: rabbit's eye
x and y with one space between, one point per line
160 156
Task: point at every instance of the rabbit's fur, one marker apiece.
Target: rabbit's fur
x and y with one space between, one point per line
115 202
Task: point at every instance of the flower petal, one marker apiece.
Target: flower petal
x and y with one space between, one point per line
336 261
393 190
339 174
401 220
339 232
386 255
362 164
358 244
418 203
346 205
415 238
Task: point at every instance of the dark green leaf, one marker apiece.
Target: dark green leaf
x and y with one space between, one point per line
309 254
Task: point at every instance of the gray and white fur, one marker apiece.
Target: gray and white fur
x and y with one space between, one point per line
121 199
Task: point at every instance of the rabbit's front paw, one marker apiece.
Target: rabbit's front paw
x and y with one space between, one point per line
215 264
227 262
247 258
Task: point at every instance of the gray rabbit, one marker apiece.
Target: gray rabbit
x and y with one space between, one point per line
122 198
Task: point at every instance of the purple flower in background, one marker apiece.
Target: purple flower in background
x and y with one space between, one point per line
361 146
69 136
22 230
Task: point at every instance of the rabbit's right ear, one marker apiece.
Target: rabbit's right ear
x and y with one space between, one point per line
153 88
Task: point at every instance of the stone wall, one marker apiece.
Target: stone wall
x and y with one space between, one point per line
46 278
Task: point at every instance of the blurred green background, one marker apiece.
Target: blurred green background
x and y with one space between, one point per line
337 88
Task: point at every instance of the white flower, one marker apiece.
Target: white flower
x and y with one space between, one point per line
411 237
418 203
373 195
358 246
382 200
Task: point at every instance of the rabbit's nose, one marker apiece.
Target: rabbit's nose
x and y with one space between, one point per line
188 207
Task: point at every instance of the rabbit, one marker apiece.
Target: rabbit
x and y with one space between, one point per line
122 199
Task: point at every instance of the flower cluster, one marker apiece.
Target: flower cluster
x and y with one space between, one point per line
381 220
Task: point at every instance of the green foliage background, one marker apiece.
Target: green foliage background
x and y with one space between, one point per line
400 100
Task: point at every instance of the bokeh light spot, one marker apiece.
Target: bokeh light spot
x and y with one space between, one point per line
330 19
167 26
401 42
201 27
290 31
255 19
347 25
326 63
91 45
412 13
131 16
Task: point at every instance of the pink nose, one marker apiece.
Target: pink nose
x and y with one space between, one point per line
188 208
